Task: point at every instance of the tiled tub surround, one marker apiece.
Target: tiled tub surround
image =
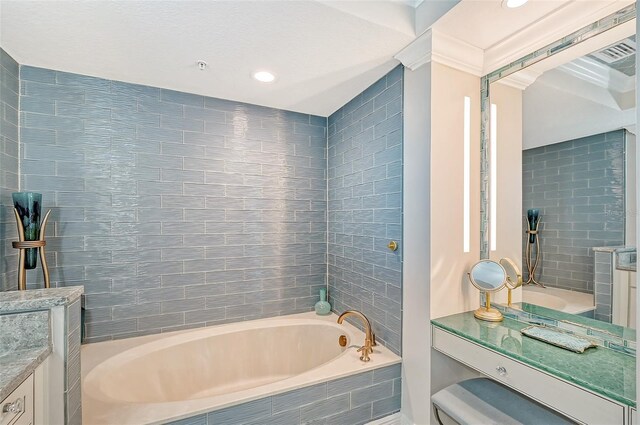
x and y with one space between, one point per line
62 305
365 206
9 89
579 188
606 261
25 342
298 374
174 210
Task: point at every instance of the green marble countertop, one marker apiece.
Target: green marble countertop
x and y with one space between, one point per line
599 370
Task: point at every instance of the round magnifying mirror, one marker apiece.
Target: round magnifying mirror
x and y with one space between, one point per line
488 276
514 277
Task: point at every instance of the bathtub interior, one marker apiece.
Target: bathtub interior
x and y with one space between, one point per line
187 370
161 378
545 300
559 299
156 379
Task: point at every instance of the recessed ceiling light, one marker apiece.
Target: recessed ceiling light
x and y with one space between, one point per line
512 4
264 76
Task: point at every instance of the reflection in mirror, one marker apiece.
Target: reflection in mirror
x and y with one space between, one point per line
578 169
514 277
488 276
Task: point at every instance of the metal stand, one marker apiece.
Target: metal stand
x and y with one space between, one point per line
533 265
23 245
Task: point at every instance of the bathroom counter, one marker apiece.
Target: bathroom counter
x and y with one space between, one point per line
38 299
25 342
17 366
599 370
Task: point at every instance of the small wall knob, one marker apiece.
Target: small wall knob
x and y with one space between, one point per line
393 246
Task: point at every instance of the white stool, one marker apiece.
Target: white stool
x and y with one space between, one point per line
481 401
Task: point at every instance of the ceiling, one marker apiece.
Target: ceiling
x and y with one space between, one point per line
581 95
484 24
323 53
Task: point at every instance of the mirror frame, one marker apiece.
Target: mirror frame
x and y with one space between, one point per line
509 283
611 21
480 288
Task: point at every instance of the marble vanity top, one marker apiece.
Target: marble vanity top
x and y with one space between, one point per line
600 370
25 331
25 341
38 299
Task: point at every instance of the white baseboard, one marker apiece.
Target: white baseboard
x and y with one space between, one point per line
388 420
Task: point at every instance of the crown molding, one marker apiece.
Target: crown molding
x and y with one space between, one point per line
457 54
418 52
601 75
439 47
521 79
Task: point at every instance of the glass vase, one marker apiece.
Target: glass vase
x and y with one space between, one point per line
533 217
28 205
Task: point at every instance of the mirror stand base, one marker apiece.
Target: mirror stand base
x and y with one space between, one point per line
488 314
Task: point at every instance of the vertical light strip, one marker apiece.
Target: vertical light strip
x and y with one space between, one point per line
493 177
467 175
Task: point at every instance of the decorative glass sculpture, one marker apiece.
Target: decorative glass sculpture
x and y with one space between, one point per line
323 307
533 217
28 205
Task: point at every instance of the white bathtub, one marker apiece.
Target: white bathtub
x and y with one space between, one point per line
558 299
157 378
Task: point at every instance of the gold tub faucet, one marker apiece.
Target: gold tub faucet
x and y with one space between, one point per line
369 336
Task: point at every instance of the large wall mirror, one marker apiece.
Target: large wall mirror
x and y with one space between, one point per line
559 169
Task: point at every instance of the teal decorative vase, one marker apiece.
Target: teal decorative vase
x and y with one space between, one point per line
323 307
533 218
28 205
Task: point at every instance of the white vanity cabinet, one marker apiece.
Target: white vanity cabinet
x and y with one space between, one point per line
567 398
28 403
18 407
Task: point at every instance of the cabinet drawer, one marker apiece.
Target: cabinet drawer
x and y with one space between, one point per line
17 408
560 395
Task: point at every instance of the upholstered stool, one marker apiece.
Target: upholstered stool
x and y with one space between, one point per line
482 401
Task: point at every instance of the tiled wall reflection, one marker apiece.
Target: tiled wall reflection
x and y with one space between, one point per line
9 89
365 206
579 188
174 210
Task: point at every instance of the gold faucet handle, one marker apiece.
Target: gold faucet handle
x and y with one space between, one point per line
365 353
373 340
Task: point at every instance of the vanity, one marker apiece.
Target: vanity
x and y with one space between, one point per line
594 387
40 356
557 177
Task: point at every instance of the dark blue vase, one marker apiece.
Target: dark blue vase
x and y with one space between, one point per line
533 217
28 206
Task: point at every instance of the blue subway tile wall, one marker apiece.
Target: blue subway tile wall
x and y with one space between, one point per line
9 167
353 400
365 207
579 188
174 210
